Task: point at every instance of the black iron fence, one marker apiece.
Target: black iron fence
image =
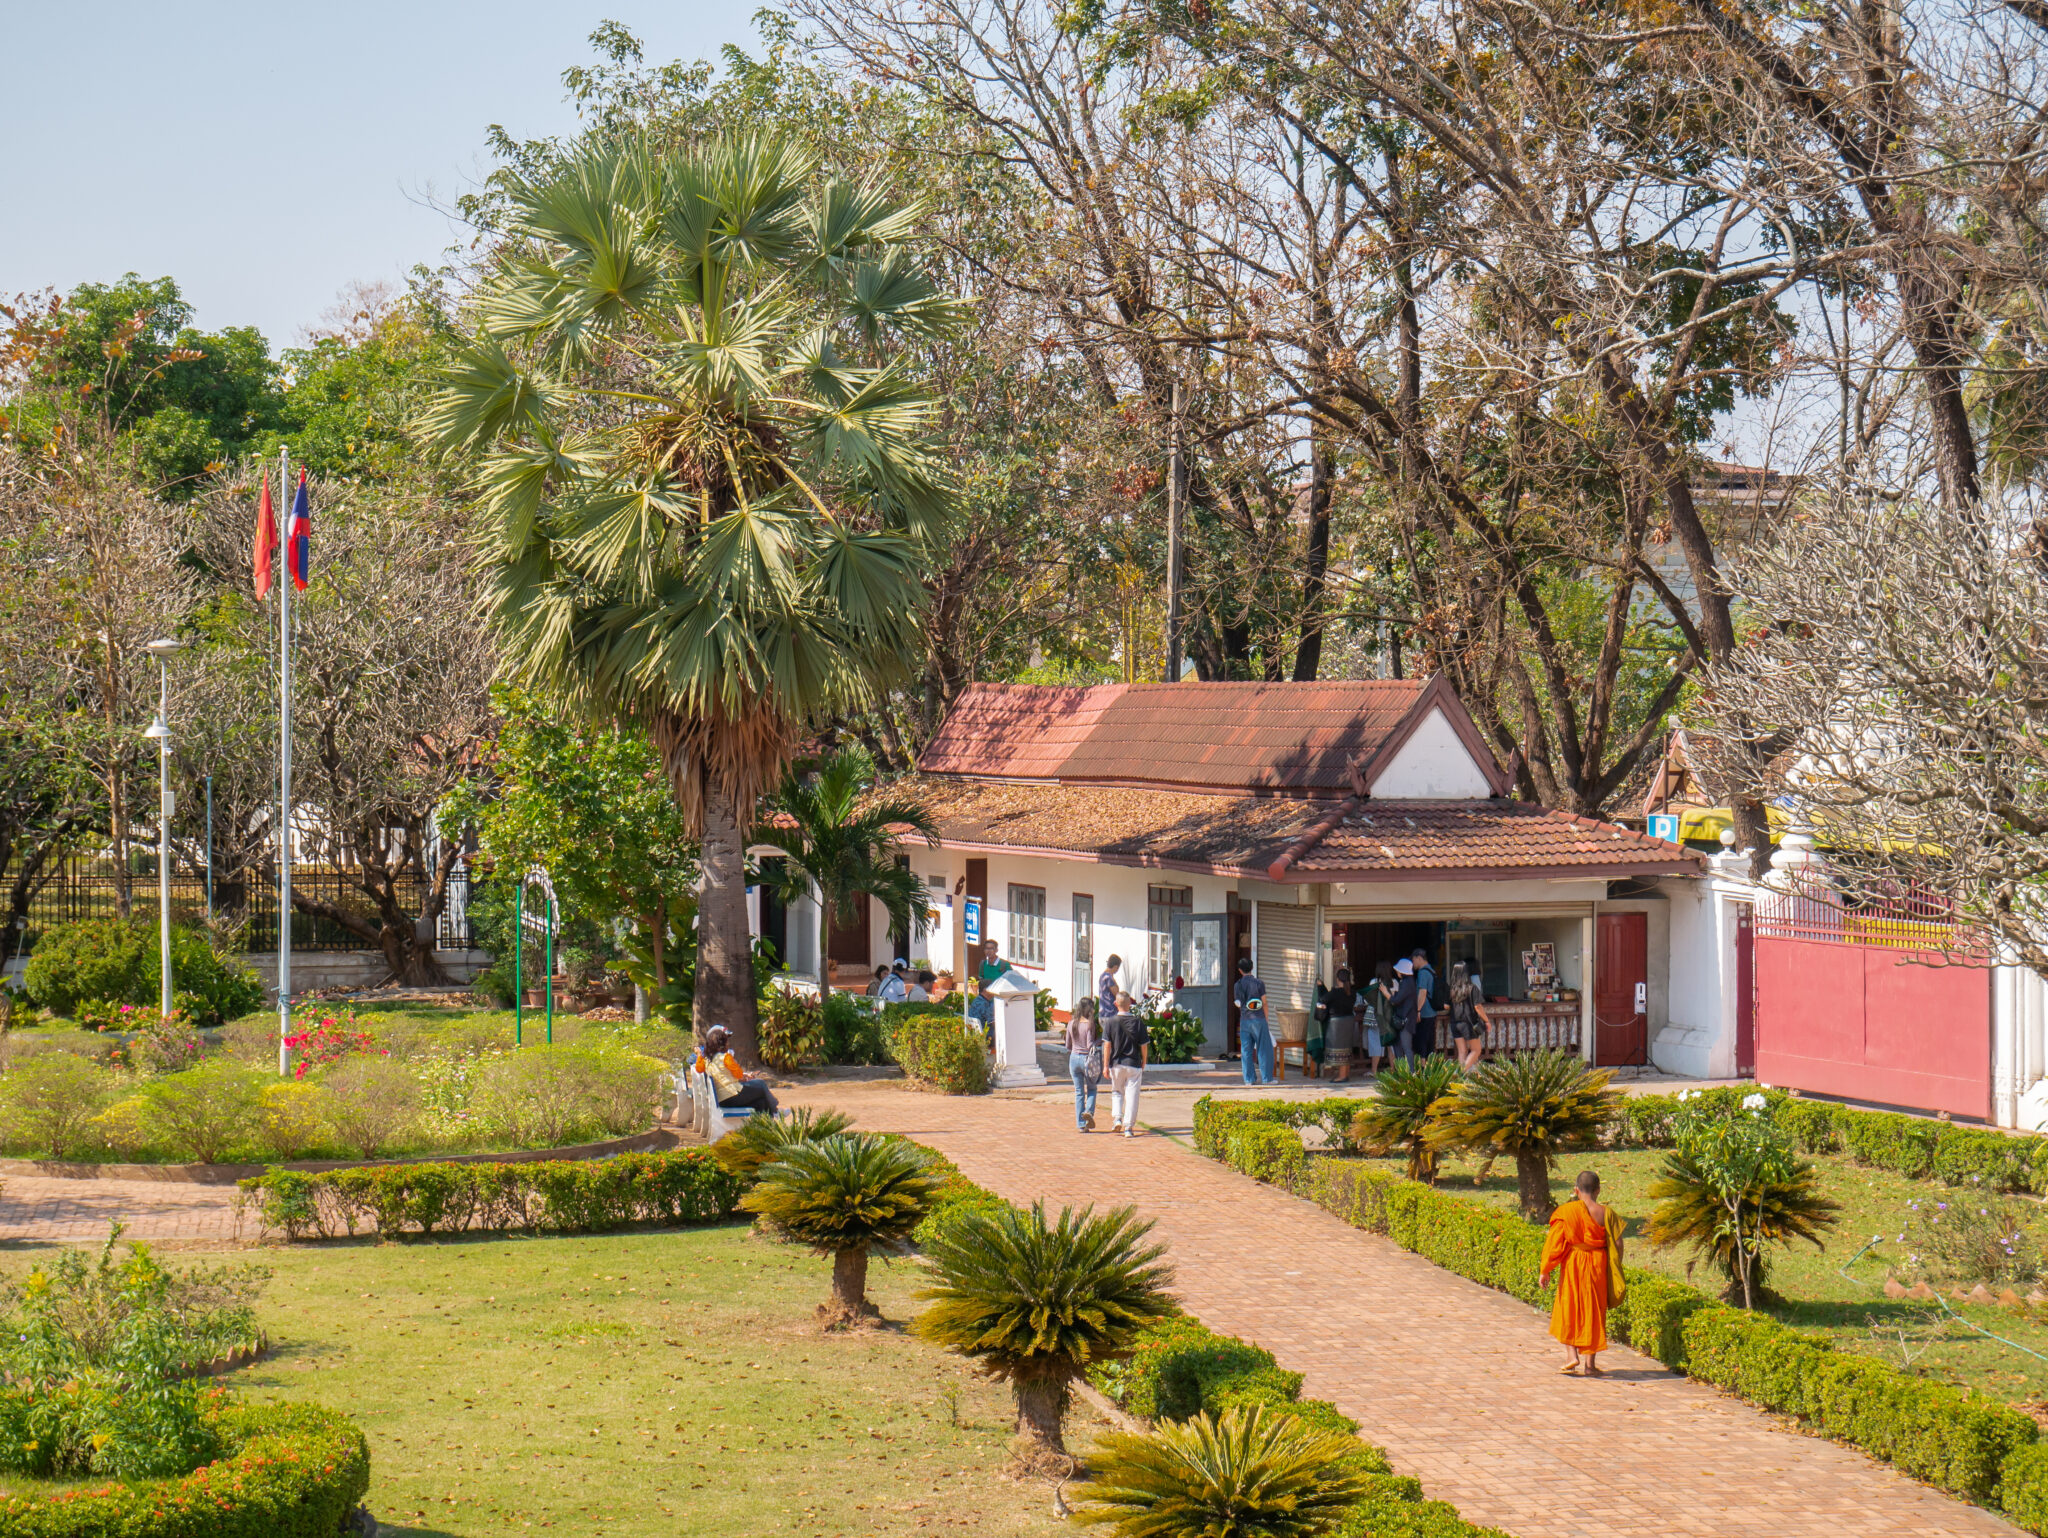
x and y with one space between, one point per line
89 889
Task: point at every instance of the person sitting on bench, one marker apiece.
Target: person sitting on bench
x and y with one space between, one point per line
734 1090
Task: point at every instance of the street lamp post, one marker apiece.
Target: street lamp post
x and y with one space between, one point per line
160 733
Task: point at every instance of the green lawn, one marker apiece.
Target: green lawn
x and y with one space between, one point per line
644 1383
1817 1293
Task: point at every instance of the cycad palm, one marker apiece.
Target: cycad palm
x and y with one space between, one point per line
705 468
846 1196
1255 1472
1779 1209
1529 1106
833 836
1036 1302
763 1140
1397 1117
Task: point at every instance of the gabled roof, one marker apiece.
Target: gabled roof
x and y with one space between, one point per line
1362 839
1287 738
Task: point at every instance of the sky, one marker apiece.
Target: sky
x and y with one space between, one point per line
264 155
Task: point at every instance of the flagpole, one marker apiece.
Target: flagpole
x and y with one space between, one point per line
284 776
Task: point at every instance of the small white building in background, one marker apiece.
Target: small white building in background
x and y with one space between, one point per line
1310 827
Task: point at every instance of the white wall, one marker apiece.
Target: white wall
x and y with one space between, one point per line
2019 1048
1698 1037
1433 765
1120 910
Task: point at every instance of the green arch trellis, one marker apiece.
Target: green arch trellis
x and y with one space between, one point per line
545 924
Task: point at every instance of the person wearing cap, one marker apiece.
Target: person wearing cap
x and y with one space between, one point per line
889 986
1404 1011
732 1088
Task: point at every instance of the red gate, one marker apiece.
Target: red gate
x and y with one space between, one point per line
1851 1006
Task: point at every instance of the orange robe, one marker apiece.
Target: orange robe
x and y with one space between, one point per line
1577 1249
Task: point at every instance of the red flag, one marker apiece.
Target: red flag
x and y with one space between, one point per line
266 541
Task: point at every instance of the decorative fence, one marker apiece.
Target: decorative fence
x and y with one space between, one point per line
88 889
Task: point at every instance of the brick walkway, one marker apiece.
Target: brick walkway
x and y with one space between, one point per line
1464 1390
35 1209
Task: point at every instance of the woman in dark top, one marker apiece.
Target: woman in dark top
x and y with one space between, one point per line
1377 1013
1340 1037
1468 1016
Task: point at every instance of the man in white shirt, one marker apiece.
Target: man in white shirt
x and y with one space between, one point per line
889 986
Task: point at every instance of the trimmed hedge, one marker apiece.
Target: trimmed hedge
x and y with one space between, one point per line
1971 1447
934 1048
1180 1368
1216 1119
679 1186
292 1471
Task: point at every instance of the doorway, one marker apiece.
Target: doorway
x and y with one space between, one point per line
1084 949
1621 990
1198 963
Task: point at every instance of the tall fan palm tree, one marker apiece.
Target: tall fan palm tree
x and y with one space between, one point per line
843 843
707 468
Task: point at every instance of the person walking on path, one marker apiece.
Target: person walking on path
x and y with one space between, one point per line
1425 1002
1084 1062
1340 1036
1106 986
1254 1033
1127 1043
1584 1249
1468 1015
1404 1011
1376 1013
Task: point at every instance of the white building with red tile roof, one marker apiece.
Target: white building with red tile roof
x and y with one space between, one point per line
1309 827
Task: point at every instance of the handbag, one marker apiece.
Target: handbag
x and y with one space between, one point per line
1094 1068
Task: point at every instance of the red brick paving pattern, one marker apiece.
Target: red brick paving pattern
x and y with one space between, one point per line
1457 1381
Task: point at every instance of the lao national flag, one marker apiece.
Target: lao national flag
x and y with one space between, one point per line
298 554
266 540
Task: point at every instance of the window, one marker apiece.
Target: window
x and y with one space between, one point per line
1161 904
1027 925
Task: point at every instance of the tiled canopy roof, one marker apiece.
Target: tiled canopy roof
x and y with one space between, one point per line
1380 837
1290 838
1298 737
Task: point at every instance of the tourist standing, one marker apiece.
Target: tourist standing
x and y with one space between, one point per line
1254 1032
1404 1011
1106 986
1377 1015
1127 1043
1425 1002
1084 1062
1468 1015
1584 1249
1340 1036
992 964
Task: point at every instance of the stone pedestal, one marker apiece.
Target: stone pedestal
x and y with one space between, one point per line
1016 1032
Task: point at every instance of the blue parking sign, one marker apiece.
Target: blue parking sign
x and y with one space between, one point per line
1665 826
970 920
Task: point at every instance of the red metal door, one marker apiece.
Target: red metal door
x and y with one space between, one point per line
1864 1022
1745 990
1621 957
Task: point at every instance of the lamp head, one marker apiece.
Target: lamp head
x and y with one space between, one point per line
164 646
158 732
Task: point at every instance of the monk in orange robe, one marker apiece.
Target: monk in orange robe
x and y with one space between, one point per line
1584 1249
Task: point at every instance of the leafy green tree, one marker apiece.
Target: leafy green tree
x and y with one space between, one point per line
1734 1185
591 806
1253 1472
1036 1302
706 467
846 1196
188 400
839 837
1527 1106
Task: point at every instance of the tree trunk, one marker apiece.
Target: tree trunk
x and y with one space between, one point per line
849 1304
1041 1417
1532 1185
725 962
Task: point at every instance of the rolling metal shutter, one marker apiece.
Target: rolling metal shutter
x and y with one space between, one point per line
1287 955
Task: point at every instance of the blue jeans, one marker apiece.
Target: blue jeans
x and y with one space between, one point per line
1255 1048
1084 1090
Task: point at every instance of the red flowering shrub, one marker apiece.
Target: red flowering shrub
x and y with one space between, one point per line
321 1043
